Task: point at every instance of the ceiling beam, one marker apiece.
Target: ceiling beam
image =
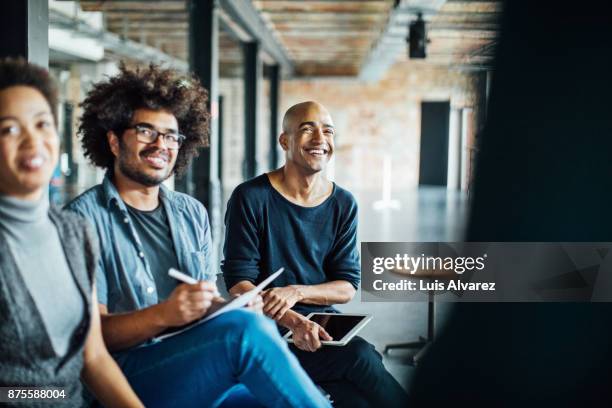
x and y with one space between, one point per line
332 33
144 16
282 13
474 6
327 69
151 33
244 13
328 6
443 17
326 17
162 27
98 5
144 13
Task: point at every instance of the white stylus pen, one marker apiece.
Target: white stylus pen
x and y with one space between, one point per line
178 275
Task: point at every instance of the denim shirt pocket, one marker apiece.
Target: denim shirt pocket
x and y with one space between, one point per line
199 265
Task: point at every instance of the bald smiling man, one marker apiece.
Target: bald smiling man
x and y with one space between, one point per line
294 217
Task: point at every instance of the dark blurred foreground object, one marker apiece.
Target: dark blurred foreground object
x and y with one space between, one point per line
544 174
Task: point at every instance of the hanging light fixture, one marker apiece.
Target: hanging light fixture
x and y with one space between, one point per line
417 38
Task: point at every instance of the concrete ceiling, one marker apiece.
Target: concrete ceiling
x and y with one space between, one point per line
163 25
461 34
325 37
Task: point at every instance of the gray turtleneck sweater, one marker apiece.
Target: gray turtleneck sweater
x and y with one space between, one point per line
35 245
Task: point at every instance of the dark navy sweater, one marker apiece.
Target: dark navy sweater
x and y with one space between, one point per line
264 231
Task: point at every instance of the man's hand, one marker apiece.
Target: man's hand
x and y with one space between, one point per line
187 303
307 335
256 304
278 300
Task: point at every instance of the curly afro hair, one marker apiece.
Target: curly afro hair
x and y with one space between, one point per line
111 103
18 71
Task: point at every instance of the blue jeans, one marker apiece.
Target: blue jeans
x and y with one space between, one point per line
204 365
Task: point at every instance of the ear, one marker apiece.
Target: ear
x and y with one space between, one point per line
283 139
113 142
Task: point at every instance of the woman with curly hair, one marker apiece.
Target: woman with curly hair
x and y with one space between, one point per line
49 322
143 126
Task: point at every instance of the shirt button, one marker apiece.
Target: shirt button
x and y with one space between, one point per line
126 220
141 254
150 290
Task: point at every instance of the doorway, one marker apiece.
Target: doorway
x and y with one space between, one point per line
433 165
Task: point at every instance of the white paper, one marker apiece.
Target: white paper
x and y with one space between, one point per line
236 303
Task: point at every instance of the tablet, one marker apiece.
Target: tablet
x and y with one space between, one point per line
341 326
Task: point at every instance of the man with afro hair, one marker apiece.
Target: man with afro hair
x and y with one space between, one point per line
142 126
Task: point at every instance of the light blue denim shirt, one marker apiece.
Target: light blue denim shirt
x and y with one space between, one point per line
123 279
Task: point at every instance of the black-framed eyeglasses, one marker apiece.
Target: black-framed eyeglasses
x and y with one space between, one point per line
146 133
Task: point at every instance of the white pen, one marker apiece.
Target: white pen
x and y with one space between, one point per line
178 275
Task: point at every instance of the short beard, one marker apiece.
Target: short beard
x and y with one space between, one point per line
131 172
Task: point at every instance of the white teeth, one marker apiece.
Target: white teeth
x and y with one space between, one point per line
35 162
157 160
316 151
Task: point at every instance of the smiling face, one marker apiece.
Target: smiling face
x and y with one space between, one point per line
146 163
29 145
308 136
